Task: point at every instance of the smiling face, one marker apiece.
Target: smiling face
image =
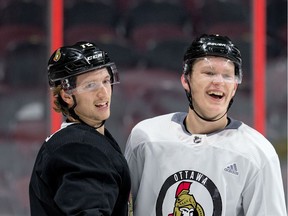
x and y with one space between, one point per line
93 95
213 84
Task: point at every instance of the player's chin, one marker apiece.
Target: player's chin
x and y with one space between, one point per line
105 115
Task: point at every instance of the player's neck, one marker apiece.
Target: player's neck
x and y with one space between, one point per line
101 129
196 125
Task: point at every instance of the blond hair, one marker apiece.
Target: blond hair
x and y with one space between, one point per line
60 105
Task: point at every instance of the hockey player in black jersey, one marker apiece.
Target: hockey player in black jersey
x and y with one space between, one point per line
80 169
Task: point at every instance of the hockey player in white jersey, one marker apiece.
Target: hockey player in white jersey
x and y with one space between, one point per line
204 163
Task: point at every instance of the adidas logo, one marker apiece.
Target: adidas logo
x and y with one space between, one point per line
232 169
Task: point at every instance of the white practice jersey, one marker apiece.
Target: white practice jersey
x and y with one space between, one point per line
232 172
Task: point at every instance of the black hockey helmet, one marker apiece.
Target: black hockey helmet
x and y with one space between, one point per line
82 57
213 45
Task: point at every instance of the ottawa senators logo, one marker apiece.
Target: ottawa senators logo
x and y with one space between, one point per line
185 203
57 55
194 194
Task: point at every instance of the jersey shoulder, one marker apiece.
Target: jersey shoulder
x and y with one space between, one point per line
159 127
161 123
253 144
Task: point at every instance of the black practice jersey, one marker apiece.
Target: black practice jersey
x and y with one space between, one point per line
79 171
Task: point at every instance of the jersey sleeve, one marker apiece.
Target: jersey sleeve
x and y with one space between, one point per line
264 194
84 180
135 160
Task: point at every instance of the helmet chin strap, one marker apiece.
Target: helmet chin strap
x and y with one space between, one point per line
189 96
75 116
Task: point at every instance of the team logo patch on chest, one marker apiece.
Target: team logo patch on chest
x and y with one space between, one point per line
188 193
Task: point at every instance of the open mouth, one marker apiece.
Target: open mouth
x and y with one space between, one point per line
101 105
216 94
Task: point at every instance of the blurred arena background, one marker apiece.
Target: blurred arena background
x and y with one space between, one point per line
146 40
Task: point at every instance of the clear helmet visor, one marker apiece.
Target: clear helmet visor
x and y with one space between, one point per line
112 78
93 86
218 69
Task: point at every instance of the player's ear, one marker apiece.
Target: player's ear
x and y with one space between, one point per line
184 81
66 97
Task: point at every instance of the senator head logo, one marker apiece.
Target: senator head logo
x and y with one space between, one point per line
185 202
188 193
